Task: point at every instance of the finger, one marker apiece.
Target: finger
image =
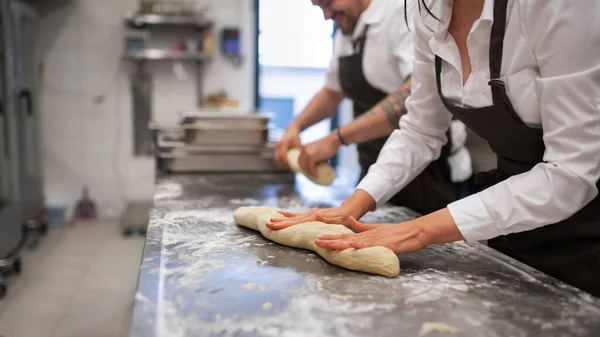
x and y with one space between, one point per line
303 161
312 167
359 226
362 244
334 220
280 157
335 236
281 225
288 214
285 223
333 245
276 220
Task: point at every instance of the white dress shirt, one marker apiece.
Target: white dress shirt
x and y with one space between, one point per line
387 63
551 66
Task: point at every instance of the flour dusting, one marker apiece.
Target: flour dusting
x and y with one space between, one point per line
202 263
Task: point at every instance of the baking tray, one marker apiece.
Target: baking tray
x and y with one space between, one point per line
216 133
225 117
176 162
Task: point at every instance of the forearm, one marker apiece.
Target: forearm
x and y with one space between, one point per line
437 227
322 105
359 204
381 120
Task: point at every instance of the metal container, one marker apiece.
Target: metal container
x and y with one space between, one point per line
226 128
224 116
219 159
229 134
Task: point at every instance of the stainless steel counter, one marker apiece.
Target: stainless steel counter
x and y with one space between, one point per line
202 275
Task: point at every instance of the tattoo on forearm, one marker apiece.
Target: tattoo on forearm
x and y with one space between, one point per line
369 113
393 105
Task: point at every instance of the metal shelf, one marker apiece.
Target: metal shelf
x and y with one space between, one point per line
167 20
163 54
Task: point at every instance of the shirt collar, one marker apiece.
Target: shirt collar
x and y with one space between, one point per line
374 12
371 16
443 10
488 11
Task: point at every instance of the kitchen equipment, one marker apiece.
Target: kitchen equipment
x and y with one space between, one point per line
225 134
215 141
141 49
26 96
21 194
135 217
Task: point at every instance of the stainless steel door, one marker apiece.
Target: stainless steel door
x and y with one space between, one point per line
25 91
10 217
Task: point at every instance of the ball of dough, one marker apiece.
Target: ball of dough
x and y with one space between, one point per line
325 172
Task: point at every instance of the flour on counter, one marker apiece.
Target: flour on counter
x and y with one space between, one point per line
202 276
168 191
249 286
437 327
244 202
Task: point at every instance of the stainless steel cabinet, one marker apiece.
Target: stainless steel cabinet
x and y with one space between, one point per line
26 97
21 190
10 215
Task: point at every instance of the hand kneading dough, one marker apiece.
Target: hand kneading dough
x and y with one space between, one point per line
375 260
325 172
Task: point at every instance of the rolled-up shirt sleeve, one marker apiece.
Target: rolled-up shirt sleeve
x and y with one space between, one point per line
565 38
422 133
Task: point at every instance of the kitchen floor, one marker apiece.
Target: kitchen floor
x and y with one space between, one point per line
79 282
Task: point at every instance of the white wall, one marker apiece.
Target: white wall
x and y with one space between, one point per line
86 102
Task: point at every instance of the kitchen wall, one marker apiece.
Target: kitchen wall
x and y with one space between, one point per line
86 102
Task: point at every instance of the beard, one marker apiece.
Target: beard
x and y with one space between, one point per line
345 23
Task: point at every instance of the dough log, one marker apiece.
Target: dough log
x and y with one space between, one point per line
325 172
374 260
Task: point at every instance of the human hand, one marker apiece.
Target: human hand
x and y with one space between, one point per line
317 152
401 238
337 215
290 140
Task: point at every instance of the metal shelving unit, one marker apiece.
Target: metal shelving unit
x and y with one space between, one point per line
141 78
135 217
162 54
141 20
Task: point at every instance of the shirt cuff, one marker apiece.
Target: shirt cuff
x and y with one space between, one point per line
377 187
472 219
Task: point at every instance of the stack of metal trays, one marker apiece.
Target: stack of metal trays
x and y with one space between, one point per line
215 141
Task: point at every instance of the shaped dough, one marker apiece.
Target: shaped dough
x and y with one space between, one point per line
325 172
374 260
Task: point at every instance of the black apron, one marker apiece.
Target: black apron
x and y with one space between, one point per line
568 250
432 189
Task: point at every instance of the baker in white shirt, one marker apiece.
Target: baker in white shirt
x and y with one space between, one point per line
372 64
525 76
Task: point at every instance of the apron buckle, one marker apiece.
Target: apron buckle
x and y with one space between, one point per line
496 82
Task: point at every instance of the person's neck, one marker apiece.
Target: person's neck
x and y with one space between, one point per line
366 3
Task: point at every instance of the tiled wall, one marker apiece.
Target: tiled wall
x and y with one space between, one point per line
86 102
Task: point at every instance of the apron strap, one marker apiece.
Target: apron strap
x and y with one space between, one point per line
497 38
359 43
498 87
